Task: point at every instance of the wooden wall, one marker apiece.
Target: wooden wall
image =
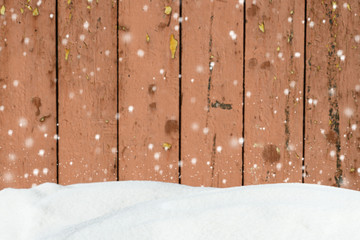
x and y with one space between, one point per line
214 93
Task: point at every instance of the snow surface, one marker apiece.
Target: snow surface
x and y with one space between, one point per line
153 210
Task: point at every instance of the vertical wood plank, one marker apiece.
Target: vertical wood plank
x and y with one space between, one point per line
274 89
27 93
87 91
148 90
333 90
212 85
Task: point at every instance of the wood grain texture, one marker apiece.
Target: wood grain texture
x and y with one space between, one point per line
274 91
27 94
87 91
119 66
333 60
212 93
148 91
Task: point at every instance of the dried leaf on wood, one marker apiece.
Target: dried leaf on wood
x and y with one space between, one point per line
168 10
262 27
2 11
173 45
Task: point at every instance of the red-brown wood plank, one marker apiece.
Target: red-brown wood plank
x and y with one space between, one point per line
148 90
87 53
274 91
212 85
27 93
332 124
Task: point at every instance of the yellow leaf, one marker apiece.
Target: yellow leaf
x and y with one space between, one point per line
67 51
168 10
88 7
29 7
35 12
147 38
21 10
278 150
278 49
69 1
166 146
348 7
173 45
2 11
262 27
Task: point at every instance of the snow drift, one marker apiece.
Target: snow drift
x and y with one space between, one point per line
153 210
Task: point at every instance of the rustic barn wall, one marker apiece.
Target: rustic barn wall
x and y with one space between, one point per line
214 93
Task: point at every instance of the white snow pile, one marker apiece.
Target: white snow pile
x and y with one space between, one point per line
152 210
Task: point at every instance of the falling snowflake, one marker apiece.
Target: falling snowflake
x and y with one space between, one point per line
23 122
232 35
157 155
206 130
36 172
29 142
348 112
12 156
140 53
332 153
86 25
41 152
16 83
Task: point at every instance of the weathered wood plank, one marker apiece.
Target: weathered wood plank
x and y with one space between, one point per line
212 85
148 90
87 91
27 93
274 91
333 90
